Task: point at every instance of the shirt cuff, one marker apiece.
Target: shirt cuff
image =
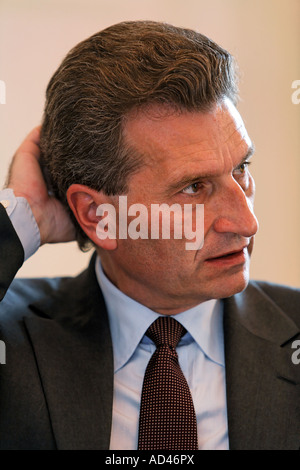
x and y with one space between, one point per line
23 221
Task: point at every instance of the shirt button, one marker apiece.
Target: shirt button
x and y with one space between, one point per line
5 203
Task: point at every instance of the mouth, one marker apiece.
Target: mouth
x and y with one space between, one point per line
232 257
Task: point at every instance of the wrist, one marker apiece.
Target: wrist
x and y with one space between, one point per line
43 223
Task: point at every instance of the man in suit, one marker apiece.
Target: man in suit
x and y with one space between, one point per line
145 110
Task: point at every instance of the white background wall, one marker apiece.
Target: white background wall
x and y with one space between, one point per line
264 35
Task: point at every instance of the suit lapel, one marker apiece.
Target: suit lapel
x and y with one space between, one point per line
262 381
74 358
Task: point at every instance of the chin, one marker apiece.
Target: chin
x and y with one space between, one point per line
232 286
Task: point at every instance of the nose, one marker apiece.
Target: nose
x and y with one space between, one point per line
235 211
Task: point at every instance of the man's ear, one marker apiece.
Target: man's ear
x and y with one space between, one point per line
84 203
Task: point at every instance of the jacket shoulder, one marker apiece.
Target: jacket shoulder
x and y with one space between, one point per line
23 292
285 297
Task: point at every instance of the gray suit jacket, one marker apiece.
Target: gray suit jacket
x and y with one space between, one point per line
56 387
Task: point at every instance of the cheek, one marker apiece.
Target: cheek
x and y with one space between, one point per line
154 262
209 218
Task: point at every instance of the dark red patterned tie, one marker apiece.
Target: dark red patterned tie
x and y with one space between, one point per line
167 414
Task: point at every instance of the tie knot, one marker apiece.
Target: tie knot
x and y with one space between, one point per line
165 330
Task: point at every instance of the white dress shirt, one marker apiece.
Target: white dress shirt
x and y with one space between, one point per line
201 357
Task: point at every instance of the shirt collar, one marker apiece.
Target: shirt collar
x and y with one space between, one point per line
204 322
129 321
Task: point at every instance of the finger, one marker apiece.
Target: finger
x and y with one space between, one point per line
28 154
30 145
34 135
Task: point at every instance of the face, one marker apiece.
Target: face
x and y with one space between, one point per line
190 158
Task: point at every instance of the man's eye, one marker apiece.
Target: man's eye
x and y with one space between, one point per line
242 169
192 188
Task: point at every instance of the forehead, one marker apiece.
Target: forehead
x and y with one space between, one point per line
205 142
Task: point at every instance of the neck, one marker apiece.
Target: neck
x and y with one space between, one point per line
149 296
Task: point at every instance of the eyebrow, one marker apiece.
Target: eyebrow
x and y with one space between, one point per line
187 180
248 155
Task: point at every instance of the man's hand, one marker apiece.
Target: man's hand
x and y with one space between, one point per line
26 179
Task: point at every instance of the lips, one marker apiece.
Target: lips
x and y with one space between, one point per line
229 256
226 255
